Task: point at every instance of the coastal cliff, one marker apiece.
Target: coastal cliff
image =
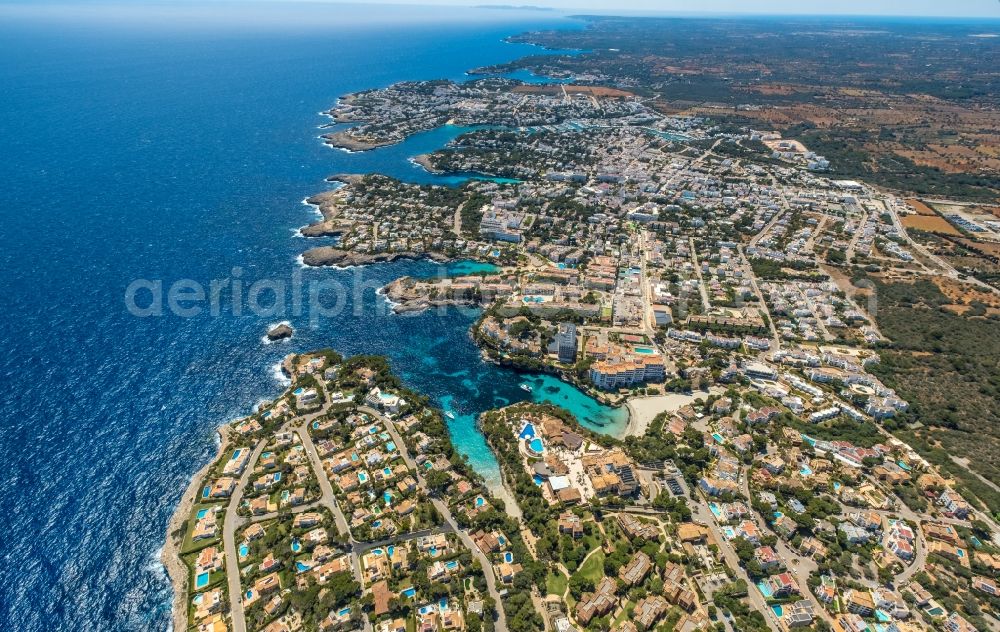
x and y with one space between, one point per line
343 140
407 295
330 256
170 556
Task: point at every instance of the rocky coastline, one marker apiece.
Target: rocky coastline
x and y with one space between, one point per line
325 256
424 160
405 299
344 140
170 557
281 331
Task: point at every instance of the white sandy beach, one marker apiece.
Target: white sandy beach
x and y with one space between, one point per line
642 410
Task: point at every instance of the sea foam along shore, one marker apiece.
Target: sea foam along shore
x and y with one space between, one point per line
171 556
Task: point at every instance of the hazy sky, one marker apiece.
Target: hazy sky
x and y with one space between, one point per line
955 8
936 8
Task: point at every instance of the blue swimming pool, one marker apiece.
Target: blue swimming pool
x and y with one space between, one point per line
205 492
644 350
201 580
480 501
362 477
244 550
508 557
527 432
451 565
538 480
296 545
202 513
777 611
302 567
764 589
718 438
409 593
536 446
390 447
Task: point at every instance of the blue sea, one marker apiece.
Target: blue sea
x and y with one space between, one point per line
169 142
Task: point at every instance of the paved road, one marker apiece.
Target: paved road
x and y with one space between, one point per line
328 499
231 523
442 508
703 515
748 268
701 280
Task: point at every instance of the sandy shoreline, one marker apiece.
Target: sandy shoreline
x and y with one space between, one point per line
170 557
642 410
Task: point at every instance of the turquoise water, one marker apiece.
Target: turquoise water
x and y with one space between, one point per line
201 580
244 550
764 589
409 592
778 611
591 413
715 510
180 147
461 268
536 446
719 438
644 350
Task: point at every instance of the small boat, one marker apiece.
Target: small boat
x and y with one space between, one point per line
449 414
526 388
